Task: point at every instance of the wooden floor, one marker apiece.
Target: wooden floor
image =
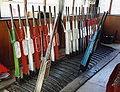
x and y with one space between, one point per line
99 81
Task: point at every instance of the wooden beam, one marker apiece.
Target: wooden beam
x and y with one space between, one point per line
110 7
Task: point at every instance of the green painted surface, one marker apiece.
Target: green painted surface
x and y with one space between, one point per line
16 61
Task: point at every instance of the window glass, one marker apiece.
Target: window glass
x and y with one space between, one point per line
5 11
69 3
115 7
104 5
4 6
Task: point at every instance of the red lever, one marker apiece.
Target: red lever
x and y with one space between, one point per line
21 37
36 41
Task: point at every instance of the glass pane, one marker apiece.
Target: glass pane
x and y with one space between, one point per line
104 5
5 12
52 3
115 7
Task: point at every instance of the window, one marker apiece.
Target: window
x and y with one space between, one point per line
115 7
69 3
5 12
5 6
104 5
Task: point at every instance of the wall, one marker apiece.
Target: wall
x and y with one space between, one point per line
112 24
5 46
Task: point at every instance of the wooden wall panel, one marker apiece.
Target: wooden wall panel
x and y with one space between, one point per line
112 24
5 46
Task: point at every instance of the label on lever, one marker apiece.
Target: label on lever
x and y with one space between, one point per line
74 34
25 47
77 33
37 44
69 34
30 41
81 33
96 27
90 30
17 49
